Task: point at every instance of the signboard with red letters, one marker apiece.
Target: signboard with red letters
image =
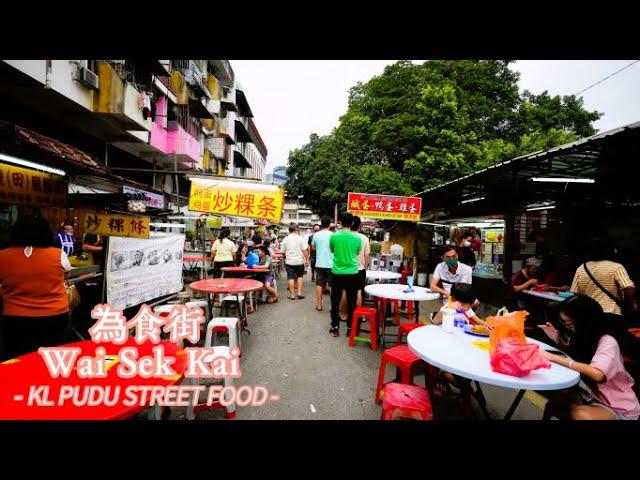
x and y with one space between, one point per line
390 207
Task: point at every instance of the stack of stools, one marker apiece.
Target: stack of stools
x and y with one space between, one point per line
406 402
231 301
203 304
408 364
228 382
226 325
371 315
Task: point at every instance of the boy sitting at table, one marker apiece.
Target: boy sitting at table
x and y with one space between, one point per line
267 278
462 298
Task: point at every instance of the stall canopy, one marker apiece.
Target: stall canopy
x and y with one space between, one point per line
606 163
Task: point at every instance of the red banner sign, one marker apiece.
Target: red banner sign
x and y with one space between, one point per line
391 207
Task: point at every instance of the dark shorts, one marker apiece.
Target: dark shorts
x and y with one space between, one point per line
323 277
268 278
362 275
294 271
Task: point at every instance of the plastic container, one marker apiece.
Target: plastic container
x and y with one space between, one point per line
448 319
422 279
459 320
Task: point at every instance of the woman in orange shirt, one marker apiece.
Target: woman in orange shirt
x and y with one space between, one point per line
35 304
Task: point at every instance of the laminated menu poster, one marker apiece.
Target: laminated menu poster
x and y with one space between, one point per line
139 270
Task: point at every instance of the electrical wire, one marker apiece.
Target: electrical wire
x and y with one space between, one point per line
606 78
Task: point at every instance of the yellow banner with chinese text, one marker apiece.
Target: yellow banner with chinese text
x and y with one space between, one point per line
23 186
117 225
236 199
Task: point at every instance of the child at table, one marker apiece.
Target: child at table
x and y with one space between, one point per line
462 297
265 261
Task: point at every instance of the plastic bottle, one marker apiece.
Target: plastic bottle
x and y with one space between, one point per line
459 319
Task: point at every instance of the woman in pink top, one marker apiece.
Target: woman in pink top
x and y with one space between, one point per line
606 392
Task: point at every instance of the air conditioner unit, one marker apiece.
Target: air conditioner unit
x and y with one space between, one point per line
88 78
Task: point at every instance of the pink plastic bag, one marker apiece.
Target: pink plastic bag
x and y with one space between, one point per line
517 358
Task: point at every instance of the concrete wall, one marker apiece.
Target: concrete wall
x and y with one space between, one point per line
63 75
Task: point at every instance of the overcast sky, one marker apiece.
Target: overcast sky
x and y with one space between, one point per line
291 99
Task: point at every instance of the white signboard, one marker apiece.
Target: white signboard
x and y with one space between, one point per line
153 200
139 270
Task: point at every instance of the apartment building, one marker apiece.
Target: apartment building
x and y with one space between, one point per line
148 121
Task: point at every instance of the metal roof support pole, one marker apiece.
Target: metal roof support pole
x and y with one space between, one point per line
175 167
509 230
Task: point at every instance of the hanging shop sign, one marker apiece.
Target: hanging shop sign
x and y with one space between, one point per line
152 200
117 225
390 207
23 186
251 200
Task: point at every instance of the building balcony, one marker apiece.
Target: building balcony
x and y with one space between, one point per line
239 158
180 87
242 129
214 86
229 98
241 101
217 146
176 140
118 100
223 71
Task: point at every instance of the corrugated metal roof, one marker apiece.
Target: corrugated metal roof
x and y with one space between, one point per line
71 155
542 153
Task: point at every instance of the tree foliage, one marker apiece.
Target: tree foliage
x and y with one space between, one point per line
417 126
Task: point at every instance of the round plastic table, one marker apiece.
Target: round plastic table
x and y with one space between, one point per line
382 275
192 262
468 356
244 270
230 286
546 295
394 291
19 374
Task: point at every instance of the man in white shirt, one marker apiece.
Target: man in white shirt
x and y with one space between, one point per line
296 257
450 271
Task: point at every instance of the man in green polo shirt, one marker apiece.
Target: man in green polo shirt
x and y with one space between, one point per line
345 246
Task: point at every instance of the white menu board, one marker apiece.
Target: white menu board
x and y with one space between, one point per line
139 270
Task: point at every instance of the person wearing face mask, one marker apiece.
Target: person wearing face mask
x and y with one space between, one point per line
450 271
606 390
466 254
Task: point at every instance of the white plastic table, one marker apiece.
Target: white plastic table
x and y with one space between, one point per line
382 275
394 291
456 353
546 295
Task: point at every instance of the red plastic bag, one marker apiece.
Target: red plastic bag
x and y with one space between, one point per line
517 358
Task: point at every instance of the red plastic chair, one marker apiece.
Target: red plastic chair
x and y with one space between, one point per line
371 315
407 362
396 310
405 328
406 402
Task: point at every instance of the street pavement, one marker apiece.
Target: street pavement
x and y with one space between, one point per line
318 377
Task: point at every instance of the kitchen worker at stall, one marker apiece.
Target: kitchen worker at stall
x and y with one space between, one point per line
450 271
65 239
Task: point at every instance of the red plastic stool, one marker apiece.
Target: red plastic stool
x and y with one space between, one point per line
396 310
404 360
405 328
406 402
370 314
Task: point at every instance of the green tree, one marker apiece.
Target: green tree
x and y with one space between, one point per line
417 126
